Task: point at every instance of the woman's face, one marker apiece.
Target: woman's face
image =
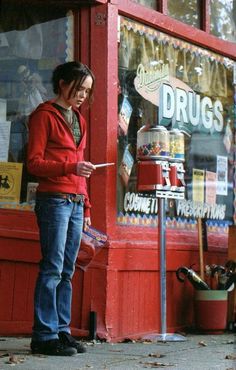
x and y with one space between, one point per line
79 95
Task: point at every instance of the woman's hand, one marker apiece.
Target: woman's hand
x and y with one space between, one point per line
87 223
85 169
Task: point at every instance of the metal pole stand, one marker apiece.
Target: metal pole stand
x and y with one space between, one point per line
163 336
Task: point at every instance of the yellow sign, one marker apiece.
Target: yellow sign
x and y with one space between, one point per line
198 185
10 181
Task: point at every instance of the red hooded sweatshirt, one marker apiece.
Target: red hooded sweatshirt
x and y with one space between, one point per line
53 154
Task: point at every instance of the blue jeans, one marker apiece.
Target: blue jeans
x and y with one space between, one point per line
60 224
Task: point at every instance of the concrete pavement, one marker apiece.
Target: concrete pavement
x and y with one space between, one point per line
198 352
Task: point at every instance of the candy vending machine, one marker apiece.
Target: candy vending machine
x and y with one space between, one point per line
160 171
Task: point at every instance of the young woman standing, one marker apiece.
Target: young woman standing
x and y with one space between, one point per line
57 139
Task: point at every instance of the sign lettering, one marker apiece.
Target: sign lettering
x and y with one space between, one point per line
187 208
185 107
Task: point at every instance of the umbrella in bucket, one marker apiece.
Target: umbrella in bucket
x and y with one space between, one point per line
222 277
185 272
219 277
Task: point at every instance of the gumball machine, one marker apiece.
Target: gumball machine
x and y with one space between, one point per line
160 170
153 175
153 151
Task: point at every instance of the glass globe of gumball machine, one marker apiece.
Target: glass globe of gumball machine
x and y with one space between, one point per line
153 151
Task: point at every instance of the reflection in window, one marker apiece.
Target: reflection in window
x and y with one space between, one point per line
186 11
27 58
223 19
199 100
149 3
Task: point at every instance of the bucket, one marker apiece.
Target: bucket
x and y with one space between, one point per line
211 310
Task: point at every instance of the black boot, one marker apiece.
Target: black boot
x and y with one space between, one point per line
67 340
53 347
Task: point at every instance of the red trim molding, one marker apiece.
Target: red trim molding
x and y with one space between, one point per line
176 28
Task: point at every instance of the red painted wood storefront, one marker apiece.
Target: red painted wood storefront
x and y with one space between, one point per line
122 284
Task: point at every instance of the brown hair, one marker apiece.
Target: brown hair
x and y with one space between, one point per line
75 72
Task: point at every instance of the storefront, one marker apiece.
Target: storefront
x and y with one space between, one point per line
155 64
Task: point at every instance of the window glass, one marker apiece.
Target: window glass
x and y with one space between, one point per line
223 19
171 83
33 40
149 3
186 11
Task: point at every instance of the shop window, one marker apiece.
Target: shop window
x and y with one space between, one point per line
33 40
194 88
186 11
223 19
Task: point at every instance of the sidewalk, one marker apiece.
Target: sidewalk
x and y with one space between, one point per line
198 352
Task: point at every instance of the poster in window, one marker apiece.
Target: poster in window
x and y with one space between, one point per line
198 185
210 187
222 175
10 182
5 127
124 115
126 166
